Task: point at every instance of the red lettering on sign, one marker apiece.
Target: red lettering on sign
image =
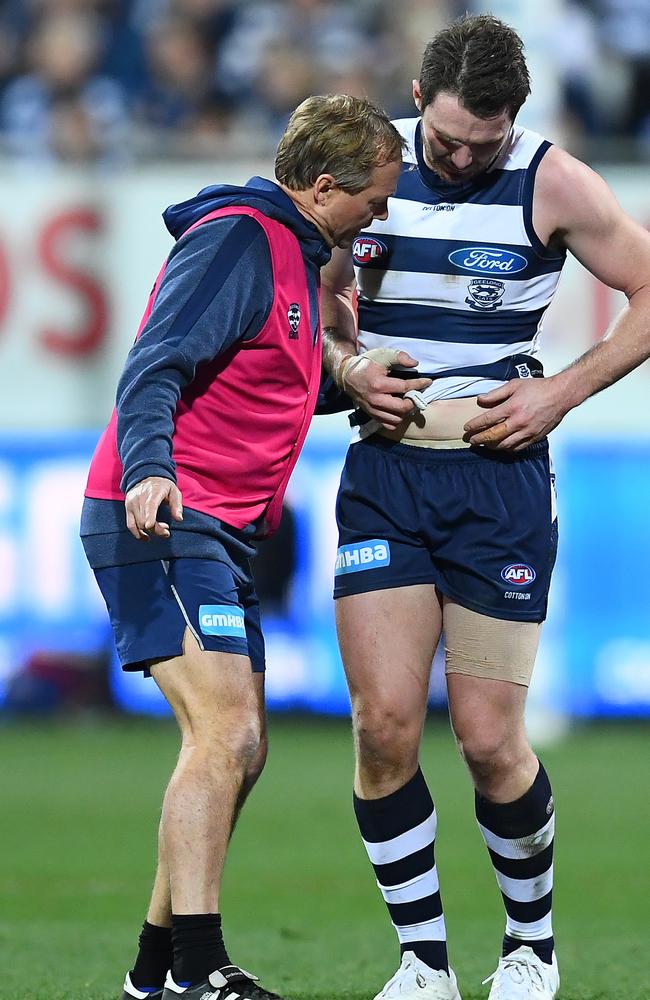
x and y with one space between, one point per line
92 332
5 285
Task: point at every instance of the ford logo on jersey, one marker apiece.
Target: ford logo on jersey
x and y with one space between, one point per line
518 574
366 250
488 260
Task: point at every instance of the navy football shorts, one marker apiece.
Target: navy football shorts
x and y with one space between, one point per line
150 605
480 525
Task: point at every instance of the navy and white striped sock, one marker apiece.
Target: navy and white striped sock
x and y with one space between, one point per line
399 833
519 837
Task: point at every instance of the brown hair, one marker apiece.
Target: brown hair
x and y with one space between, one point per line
480 60
340 135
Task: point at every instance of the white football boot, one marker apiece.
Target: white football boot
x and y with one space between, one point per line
416 981
522 975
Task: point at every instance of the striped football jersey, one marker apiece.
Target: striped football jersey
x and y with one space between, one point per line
456 275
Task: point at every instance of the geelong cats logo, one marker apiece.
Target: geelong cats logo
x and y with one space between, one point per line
293 315
485 294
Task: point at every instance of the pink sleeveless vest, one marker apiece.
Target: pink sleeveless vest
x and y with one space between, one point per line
241 422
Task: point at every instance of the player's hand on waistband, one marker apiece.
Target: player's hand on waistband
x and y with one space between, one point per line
365 379
519 413
142 503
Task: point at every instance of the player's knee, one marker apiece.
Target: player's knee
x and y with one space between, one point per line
249 741
384 736
490 752
226 738
257 762
247 738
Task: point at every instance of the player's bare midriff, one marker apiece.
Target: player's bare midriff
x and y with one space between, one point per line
441 425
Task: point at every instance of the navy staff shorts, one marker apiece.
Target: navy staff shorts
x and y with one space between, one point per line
150 605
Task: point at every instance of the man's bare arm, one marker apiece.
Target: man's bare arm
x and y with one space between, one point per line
616 250
365 380
337 312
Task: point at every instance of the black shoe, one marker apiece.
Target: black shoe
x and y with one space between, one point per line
227 983
132 992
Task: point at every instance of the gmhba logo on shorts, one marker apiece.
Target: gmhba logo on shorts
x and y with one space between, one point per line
222 619
358 556
518 574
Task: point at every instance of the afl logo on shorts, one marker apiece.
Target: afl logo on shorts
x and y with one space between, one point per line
518 574
367 250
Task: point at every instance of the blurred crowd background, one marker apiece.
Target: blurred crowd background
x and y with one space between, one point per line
110 110
116 82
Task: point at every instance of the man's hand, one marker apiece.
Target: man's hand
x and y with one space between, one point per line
520 413
142 503
365 379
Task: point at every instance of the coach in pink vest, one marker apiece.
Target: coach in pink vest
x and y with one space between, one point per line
212 408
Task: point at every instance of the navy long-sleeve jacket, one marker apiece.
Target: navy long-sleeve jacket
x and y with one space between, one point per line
217 289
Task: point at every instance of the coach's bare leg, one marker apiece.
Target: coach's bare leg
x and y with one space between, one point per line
215 702
388 639
160 905
487 717
257 762
160 908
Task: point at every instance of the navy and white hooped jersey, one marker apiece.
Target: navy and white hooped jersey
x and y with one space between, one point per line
456 275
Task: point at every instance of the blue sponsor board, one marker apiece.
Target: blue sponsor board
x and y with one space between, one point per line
604 493
597 637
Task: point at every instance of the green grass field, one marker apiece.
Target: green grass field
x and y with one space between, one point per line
79 806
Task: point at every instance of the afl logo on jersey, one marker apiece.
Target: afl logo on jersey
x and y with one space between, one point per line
367 250
488 260
518 574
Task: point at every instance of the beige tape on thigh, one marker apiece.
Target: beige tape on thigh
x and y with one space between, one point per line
488 647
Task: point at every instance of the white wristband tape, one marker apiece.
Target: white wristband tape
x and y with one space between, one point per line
416 398
348 365
385 357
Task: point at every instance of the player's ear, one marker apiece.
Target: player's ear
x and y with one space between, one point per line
323 187
417 95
